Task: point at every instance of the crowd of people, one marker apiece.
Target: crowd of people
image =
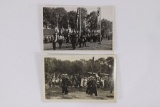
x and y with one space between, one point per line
75 38
91 83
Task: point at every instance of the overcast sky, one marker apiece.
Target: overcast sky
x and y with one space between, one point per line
78 57
107 12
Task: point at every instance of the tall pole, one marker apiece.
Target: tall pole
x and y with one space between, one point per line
57 28
85 21
77 23
80 21
77 18
100 23
92 64
97 17
57 21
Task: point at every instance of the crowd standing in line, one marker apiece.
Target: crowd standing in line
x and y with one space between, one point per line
74 38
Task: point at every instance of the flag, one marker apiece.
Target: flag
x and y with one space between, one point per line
98 17
77 16
77 12
98 11
99 22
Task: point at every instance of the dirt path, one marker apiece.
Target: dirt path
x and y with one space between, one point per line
102 95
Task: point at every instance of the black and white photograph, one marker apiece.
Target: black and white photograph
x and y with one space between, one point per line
79 77
78 28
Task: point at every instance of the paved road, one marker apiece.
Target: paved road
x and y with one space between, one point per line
105 45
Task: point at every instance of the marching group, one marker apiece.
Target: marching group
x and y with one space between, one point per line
90 83
75 38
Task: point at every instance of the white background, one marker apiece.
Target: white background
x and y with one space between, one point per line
137 42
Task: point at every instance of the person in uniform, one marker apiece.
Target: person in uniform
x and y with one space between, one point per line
94 36
88 86
73 40
85 82
93 86
111 85
80 40
67 38
79 81
54 41
84 39
60 40
88 37
77 37
64 85
45 39
75 81
53 82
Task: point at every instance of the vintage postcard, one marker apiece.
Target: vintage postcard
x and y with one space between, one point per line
78 28
79 77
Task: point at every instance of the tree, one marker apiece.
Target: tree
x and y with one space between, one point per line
58 67
64 21
77 67
72 19
89 65
50 64
106 27
52 16
92 21
47 16
110 65
60 13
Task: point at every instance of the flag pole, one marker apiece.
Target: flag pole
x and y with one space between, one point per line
97 17
77 21
80 20
92 65
100 22
68 24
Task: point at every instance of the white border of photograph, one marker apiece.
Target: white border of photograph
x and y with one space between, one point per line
80 100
